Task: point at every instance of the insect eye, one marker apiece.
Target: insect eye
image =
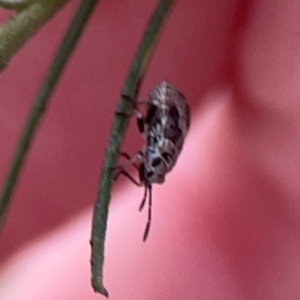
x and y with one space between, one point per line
157 161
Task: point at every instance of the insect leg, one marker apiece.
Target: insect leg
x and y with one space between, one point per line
128 157
140 121
136 112
138 157
139 117
130 161
134 101
123 172
149 187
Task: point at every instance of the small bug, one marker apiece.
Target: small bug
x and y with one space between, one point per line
164 127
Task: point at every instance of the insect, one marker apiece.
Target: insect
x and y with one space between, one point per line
164 128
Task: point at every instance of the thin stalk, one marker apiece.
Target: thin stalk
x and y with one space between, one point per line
30 17
119 126
40 104
16 4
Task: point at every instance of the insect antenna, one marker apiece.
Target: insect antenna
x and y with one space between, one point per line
148 187
144 198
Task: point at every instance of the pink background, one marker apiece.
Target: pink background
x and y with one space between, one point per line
226 223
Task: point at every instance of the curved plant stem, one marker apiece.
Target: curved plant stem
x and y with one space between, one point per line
31 15
120 123
39 107
15 4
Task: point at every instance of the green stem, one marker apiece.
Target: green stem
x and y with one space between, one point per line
39 107
15 4
120 124
18 29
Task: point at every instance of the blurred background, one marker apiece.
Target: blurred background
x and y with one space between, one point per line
61 174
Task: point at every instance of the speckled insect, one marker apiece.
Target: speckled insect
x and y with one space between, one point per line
164 127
